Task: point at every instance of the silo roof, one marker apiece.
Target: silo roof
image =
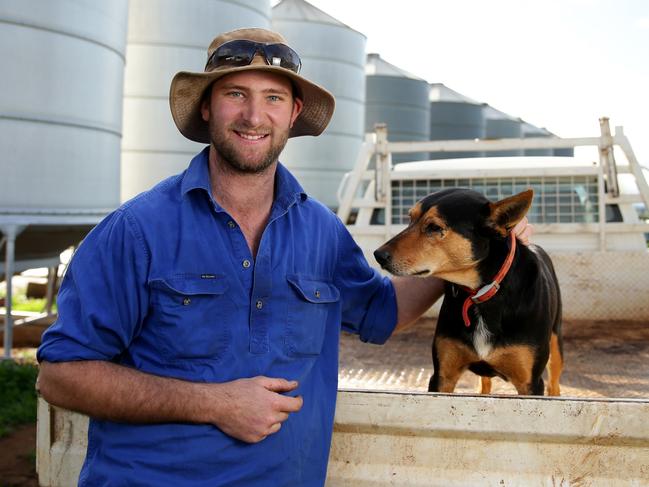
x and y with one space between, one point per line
492 113
533 129
377 66
441 92
303 11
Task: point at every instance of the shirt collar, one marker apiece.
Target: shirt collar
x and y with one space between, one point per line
197 175
287 189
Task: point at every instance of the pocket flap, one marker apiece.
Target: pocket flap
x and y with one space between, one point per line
191 286
313 290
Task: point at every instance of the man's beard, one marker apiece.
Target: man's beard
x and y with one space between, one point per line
237 161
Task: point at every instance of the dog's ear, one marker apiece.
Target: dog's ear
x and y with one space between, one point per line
506 213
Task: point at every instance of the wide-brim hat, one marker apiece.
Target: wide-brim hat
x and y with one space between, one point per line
187 90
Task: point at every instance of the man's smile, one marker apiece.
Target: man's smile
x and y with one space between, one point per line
250 136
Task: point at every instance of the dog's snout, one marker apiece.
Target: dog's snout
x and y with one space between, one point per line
382 256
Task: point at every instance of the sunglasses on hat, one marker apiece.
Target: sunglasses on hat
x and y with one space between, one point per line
242 52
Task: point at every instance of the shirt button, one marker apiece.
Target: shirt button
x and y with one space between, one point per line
259 304
317 293
231 224
186 301
246 264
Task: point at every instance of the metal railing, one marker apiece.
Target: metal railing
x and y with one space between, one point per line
367 187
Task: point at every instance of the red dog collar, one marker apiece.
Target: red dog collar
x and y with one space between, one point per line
487 292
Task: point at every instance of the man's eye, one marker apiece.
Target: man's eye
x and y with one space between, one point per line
274 98
235 94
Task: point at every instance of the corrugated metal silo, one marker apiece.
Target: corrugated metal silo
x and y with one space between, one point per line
164 37
399 99
60 109
530 130
60 129
333 55
499 125
563 152
60 124
454 117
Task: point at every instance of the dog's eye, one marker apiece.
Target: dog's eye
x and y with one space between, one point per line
431 228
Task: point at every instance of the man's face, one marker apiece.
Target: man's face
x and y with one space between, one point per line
250 115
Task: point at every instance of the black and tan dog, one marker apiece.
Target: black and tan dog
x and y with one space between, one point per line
501 314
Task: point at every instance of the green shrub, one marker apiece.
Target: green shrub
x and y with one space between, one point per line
18 397
22 303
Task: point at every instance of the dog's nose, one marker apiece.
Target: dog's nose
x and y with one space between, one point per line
382 256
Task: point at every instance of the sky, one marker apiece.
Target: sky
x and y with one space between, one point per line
558 64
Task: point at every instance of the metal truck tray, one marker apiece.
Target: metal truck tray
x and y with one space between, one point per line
440 440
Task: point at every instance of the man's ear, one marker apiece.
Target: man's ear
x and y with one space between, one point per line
206 100
506 213
298 104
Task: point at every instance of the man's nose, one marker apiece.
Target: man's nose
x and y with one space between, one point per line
253 112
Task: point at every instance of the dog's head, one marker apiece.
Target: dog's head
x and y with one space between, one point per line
449 234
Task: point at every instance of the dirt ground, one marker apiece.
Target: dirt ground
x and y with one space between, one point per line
602 359
17 468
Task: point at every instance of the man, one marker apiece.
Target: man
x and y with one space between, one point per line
199 323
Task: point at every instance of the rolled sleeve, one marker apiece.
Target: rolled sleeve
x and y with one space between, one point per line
103 297
369 305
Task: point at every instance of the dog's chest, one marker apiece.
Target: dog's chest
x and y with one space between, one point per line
482 338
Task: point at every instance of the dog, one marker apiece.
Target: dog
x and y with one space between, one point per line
501 314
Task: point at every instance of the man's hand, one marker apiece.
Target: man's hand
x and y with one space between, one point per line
523 231
252 409
246 409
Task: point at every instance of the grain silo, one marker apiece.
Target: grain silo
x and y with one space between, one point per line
530 131
567 152
499 125
454 116
333 55
60 122
60 127
164 37
60 110
400 100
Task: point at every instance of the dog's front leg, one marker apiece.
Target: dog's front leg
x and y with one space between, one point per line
450 359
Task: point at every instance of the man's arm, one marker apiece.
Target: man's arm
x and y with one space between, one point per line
246 409
414 296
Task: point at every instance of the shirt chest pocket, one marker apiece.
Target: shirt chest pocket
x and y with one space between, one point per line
313 301
192 317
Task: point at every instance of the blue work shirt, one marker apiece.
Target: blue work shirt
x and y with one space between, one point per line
167 284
